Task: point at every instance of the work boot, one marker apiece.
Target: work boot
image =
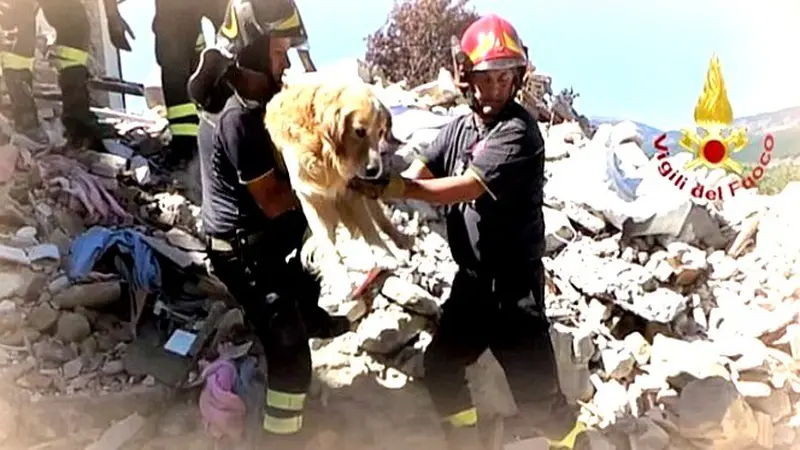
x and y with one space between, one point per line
462 438
19 83
79 122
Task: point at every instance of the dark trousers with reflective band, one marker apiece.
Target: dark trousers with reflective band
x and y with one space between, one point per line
266 287
501 315
69 19
179 41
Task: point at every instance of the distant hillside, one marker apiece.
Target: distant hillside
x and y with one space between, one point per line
784 126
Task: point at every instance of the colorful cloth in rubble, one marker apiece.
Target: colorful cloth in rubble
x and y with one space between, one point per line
223 411
90 246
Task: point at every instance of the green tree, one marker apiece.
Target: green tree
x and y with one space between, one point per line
414 43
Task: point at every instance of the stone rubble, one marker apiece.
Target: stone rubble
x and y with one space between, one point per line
681 338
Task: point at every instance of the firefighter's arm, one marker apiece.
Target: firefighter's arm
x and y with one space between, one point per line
272 193
118 28
444 191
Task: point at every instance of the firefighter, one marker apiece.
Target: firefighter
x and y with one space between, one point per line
179 41
69 18
487 167
250 216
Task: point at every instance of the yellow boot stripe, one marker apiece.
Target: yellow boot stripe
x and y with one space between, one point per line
184 129
181 111
14 61
285 401
568 441
466 418
70 57
288 425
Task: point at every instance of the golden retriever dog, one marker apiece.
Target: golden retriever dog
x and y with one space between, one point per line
325 134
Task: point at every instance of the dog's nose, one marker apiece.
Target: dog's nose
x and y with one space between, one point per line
372 170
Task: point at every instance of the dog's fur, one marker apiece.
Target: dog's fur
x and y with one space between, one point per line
325 134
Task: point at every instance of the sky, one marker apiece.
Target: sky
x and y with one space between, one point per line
633 59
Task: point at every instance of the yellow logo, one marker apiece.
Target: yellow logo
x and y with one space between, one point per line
231 30
713 142
716 139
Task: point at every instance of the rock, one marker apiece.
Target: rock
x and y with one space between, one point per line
784 435
649 436
7 306
766 432
558 230
410 296
777 404
21 337
618 362
36 284
11 322
53 352
73 327
12 283
638 347
92 295
43 318
712 409
671 357
573 350
386 331
72 368
113 367
35 381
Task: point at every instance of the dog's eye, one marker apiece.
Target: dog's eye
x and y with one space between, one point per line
361 132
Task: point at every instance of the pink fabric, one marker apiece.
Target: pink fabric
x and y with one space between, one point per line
80 190
223 411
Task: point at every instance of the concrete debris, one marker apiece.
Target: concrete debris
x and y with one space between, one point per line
675 319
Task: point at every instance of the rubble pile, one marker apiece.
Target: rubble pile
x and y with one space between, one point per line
675 322
675 318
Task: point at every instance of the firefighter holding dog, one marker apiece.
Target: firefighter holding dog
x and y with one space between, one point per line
487 167
254 229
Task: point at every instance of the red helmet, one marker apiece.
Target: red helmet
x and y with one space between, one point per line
492 43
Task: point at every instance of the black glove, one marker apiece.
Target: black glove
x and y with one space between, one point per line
390 186
118 28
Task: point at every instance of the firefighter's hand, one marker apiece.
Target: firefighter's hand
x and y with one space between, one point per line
385 187
118 29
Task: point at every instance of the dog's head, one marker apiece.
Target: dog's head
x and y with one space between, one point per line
357 130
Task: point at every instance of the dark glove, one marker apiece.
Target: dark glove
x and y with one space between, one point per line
384 187
118 28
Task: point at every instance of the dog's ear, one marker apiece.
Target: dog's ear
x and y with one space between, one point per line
334 123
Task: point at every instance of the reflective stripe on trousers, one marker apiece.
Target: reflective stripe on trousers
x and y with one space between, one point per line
67 57
466 418
183 119
14 61
284 414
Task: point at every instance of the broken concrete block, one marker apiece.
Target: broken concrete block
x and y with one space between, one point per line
618 363
766 434
42 318
386 331
573 349
410 296
92 295
73 327
558 230
712 409
649 436
777 404
638 346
